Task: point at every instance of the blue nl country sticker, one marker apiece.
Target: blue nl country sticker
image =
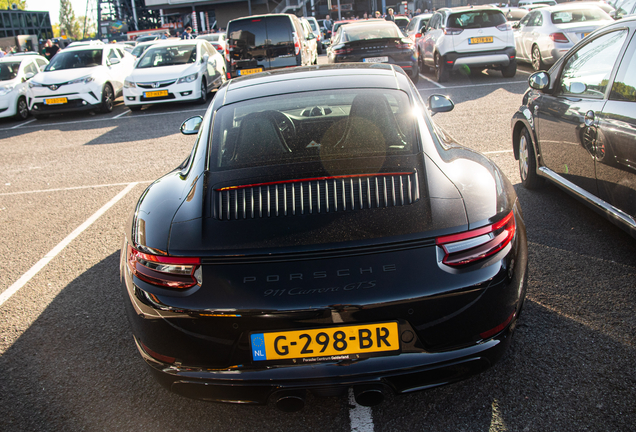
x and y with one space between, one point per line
258 347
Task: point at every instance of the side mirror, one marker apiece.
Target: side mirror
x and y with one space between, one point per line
439 103
539 80
192 125
311 36
516 25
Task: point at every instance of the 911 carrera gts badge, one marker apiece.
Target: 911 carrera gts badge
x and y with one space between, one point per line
321 274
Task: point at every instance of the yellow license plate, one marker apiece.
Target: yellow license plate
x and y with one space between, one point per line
156 93
478 40
55 101
249 71
325 344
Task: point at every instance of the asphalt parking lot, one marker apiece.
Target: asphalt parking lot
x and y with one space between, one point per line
68 362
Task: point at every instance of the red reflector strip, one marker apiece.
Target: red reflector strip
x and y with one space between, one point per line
165 271
311 179
495 330
157 356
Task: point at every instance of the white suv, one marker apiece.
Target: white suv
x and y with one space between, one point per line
81 78
468 38
15 72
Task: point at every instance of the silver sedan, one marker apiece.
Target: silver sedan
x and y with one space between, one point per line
546 34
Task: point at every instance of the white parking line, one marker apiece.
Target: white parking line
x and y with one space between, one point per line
360 417
119 115
22 124
498 151
479 85
432 82
70 188
6 295
137 116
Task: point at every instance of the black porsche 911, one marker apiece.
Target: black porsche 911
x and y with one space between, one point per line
323 235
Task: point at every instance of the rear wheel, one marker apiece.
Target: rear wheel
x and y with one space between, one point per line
415 73
510 70
528 162
440 70
108 99
537 61
21 109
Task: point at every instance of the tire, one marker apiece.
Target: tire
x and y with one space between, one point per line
204 92
415 73
537 61
441 74
21 109
510 70
528 162
320 49
108 99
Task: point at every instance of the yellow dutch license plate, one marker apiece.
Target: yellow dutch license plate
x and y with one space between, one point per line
478 40
55 101
325 344
158 93
249 71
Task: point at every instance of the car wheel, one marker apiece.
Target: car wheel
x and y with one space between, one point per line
528 162
537 61
204 92
415 73
108 99
440 70
510 70
21 109
320 49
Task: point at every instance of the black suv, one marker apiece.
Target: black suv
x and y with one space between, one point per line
263 42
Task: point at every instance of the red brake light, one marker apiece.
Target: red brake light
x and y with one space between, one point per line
470 246
450 31
343 51
559 37
296 44
219 48
165 271
404 45
418 35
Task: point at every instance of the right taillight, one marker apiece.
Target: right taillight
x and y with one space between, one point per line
559 37
164 271
471 246
504 27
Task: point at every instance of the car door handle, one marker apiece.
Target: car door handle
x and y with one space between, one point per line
589 118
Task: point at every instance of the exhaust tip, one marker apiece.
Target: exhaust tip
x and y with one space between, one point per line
291 400
368 395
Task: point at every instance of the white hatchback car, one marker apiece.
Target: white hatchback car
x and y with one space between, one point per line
82 78
174 71
15 72
468 37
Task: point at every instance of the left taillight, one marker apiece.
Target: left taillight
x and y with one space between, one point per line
296 44
472 246
164 271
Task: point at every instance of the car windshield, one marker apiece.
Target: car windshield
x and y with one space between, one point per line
579 16
366 32
313 126
158 56
476 19
139 50
75 59
9 70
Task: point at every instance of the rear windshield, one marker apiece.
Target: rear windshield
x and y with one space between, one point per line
476 19
313 126
75 59
158 56
250 37
369 31
9 71
579 16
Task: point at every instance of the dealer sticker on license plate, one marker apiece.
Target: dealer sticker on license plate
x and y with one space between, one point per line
249 71
158 93
325 344
55 101
384 59
478 40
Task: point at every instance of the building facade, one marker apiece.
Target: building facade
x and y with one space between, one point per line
21 22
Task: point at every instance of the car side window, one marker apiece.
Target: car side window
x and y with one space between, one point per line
624 87
41 63
113 54
524 21
30 68
588 71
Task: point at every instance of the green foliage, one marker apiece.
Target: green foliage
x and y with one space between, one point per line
6 4
68 23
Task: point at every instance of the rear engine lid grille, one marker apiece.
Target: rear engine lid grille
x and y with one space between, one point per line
317 195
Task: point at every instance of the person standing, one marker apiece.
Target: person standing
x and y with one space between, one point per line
328 23
50 50
187 33
389 15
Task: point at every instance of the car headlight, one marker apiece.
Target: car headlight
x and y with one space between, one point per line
6 90
35 84
83 80
129 84
188 79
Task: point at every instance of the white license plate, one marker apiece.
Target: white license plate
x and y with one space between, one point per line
376 60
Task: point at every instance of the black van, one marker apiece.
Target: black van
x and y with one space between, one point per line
263 42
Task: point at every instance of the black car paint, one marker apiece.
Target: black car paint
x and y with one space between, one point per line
355 267
601 169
